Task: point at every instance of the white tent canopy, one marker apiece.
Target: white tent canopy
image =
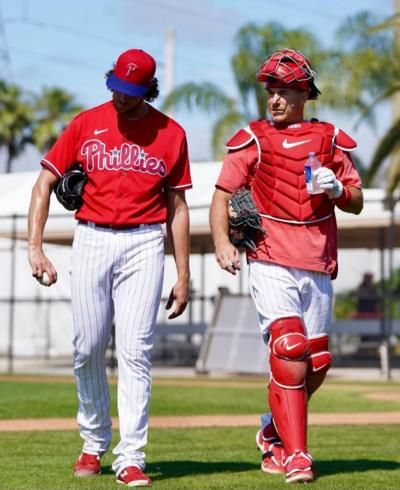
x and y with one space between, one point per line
41 326
368 230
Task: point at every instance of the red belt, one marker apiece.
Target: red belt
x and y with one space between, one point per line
108 227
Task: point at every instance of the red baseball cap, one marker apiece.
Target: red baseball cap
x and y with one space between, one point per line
132 73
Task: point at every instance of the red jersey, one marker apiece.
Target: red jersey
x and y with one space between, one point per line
129 163
309 247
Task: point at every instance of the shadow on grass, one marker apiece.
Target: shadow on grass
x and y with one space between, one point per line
336 466
107 470
177 469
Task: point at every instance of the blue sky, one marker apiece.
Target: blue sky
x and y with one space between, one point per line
71 44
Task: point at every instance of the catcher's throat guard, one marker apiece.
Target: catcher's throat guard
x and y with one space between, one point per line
70 187
244 219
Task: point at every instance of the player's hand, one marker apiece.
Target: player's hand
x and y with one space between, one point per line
42 269
180 295
227 256
327 180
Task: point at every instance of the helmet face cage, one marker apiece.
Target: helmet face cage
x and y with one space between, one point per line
288 65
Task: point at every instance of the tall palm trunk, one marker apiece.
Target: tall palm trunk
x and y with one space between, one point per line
10 156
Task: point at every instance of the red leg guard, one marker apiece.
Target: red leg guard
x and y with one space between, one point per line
319 362
287 394
289 409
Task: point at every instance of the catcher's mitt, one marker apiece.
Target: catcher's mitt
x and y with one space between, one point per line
70 187
244 219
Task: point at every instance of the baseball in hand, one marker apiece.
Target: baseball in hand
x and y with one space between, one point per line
44 279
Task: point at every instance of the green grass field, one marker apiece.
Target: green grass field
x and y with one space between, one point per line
356 457
232 396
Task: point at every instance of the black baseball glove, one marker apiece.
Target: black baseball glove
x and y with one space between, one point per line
244 219
70 187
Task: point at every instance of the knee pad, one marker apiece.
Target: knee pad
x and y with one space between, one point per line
320 359
319 362
289 349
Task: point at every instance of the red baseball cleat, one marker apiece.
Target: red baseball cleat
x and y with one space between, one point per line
299 468
273 454
132 476
87 465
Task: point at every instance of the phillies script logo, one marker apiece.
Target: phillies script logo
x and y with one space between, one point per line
130 68
127 157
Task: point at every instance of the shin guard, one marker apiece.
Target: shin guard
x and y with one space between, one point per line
319 362
287 394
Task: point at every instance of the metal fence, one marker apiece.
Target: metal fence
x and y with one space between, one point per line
36 321
22 306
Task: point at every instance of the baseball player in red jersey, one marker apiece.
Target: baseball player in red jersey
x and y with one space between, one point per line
293 264
136 160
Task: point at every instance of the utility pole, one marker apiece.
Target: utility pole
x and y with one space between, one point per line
396 97
169 80
387 303
5 59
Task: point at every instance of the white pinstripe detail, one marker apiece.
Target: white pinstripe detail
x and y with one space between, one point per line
52 166
280 291
119 271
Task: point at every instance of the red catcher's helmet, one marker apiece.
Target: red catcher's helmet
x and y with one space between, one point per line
291 68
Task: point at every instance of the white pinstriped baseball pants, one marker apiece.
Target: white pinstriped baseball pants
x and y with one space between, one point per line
280 291
115 274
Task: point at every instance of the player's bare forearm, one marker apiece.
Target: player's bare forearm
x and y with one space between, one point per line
356 203
178 232
219 217
226 254
178 236
37 217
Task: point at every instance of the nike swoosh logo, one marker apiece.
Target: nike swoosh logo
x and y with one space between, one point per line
315 370
99 131
288 145
291 347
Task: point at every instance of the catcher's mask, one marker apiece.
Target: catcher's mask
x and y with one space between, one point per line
288 68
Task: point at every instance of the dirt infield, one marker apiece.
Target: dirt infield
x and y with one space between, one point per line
362 418
55 424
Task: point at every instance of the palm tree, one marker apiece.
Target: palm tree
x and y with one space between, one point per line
389 144
53 109
367 73
15 121
254 43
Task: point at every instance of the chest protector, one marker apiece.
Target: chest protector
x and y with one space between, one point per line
279 186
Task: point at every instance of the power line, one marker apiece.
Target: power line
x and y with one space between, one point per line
47 25
294 8
68 61
187 11
71 62
5 59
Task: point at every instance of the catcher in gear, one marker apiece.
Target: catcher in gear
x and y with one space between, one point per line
70 187
292 266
